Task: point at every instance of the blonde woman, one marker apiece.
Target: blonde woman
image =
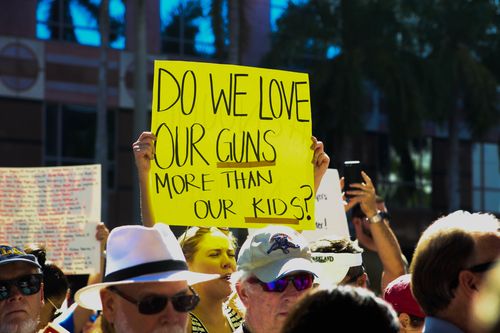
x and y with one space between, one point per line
207 250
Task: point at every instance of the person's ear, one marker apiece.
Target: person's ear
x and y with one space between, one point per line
41 294
242 293
108 305
361 281
468 282
404 320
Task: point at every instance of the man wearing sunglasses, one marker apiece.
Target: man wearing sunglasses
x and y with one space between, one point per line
276 270
21 292
448 267
146 287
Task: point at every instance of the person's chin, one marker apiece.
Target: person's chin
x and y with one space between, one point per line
226 287
16 317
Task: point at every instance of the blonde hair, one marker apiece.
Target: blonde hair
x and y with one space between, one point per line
190 239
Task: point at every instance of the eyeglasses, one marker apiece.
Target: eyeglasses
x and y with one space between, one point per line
154 304
479 268
301 282
57 310
27 285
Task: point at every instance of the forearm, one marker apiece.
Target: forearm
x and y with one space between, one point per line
147 212
389 252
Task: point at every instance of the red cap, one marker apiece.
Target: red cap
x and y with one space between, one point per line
398 293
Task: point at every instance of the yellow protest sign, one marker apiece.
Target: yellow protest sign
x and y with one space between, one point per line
233 146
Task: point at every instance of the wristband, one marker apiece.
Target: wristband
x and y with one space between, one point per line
375 219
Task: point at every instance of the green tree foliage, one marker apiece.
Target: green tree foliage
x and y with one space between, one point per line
374 52
424 56
453 36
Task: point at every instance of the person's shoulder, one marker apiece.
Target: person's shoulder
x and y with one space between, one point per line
196 324
436 325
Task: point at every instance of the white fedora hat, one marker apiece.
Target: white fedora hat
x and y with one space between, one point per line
137 254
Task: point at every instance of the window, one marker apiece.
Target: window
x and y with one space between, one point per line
486 177
77 21
186 26
70 136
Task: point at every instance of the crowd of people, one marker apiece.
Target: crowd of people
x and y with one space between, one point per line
278 281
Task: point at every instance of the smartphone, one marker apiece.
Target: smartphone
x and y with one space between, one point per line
352 174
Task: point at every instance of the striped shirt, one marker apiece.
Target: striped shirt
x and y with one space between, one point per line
233 318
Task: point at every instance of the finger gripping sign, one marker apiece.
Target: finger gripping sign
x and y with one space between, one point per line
233 146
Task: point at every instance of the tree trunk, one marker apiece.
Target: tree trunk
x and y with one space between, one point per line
234 31
454 159
218 28
101 142
140 89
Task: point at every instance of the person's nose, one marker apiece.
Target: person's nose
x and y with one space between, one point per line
14 293
228 263
171 315
291 292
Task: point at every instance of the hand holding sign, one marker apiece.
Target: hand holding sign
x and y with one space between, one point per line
321 161
144 151
231 146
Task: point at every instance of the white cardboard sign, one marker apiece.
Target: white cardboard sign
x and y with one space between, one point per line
329 212
56 206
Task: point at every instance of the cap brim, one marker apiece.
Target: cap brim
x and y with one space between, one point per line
19 259
89 297
333 267
277 269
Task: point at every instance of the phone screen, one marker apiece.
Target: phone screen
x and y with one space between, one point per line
352 174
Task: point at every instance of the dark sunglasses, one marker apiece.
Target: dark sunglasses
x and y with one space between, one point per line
482 267
155 304
300 281
27 285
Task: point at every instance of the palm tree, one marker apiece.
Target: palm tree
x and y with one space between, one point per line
63 25
219 28
59 12
140 86
101 141
373 52
179 34
462 90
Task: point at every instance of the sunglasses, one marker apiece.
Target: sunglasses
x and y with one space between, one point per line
154 304
27 285
482 267
300 281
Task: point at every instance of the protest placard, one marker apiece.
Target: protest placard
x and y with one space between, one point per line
56 206
233 146
330 215
54 328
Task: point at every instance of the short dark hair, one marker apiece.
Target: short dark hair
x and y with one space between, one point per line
347 305
444 249
333 245
330 244
55 283
353 274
